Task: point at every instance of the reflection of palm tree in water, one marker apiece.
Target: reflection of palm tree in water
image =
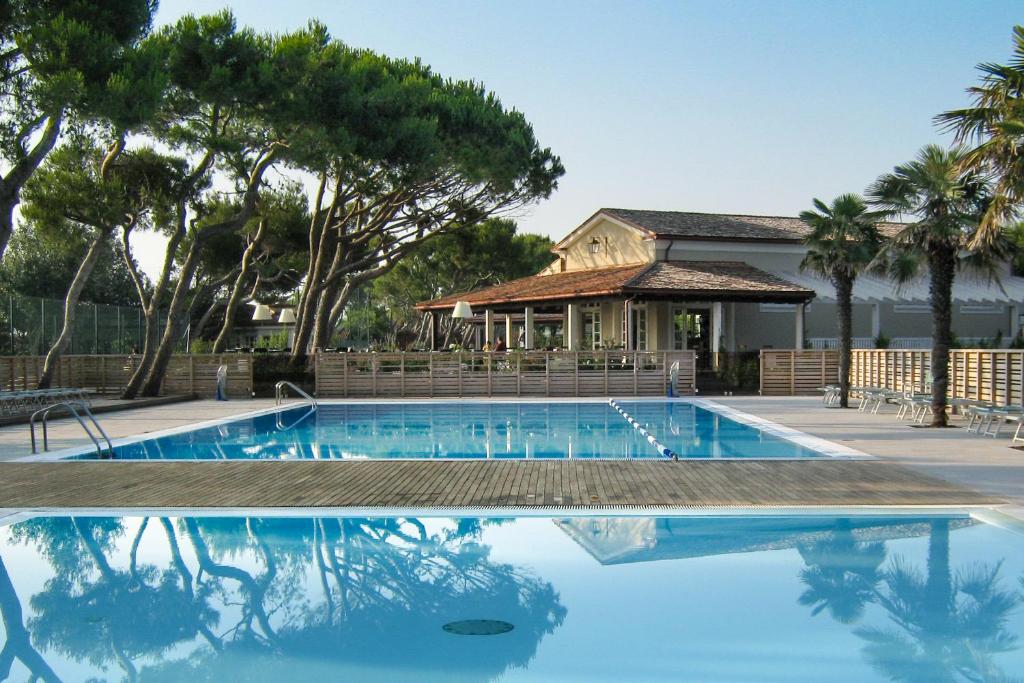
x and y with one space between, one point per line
384 582
949 625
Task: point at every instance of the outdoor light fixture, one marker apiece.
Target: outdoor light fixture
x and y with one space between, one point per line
287 316
462 310
262 312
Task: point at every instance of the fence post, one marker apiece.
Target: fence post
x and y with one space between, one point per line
519 374
401 373
430 373
458 371
636 384
576 356
192 373
792 373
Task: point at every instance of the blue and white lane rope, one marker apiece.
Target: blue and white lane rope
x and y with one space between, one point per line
667 452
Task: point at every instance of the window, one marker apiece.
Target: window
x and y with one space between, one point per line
778 308
980 309
591 328
595 246
640 328
911 308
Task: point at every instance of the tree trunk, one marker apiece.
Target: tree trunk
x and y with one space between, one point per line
70 304
175 323
20 172
322 330
942 266
236 291
844 299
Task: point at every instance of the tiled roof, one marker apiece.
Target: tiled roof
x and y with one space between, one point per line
594 282
712 277
684 224
708 279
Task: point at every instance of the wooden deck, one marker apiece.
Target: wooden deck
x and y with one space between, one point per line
477 484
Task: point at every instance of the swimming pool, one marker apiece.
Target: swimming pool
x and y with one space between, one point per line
820 599
475 429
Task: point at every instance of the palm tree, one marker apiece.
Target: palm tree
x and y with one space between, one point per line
996 124
948 199
843 241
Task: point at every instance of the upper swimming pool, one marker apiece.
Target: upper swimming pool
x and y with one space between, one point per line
479 430
813 599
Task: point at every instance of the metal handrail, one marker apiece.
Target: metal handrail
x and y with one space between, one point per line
283 428
45 412
279 394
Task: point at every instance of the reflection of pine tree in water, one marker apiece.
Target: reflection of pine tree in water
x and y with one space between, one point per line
367 597
948 626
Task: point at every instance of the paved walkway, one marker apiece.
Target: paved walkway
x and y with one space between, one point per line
982 463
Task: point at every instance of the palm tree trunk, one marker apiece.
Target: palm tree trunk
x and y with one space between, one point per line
942 265
844 299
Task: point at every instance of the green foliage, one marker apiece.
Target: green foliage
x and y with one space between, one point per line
42 266
844 237
881 341
995 123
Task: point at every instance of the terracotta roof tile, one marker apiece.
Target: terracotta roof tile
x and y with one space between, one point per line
710 276
710 279
577 283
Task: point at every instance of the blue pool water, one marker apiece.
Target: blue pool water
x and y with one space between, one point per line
701 599
458 430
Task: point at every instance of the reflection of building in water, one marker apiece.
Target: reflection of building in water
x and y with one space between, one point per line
646 539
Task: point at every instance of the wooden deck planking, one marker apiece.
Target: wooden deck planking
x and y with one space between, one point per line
551 483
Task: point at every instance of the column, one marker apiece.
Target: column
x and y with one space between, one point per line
716 326
800 325
528 328
876 320
629 341
572 327
508 331
433 330
1014 321
730 328
489 327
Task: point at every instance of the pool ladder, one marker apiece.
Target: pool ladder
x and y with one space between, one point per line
279 395
283 384
73 408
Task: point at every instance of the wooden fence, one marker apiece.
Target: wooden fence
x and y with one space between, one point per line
980 374
797 373
108 374
518 373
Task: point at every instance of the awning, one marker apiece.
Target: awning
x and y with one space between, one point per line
871 289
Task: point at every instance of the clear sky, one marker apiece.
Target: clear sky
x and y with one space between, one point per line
742 107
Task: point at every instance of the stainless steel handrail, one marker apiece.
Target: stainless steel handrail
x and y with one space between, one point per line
45 412
279 393
283 428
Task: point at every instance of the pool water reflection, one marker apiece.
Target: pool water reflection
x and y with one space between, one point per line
467 429
595 599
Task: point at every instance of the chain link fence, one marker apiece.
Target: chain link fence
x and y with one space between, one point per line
30 325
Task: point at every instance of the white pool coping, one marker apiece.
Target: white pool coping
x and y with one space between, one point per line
826 448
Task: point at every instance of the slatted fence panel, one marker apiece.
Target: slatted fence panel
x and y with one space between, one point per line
797 372
516 373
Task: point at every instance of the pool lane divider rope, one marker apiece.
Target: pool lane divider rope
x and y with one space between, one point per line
665 451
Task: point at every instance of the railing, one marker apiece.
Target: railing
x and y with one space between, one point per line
109 374
70 407
995 375
516 373
279 393
832 343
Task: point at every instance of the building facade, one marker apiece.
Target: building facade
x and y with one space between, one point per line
667 280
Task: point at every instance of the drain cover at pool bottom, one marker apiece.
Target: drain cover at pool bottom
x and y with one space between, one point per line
478 627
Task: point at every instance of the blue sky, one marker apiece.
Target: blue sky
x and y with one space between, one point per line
743 107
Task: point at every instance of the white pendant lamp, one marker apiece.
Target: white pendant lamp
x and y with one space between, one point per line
262 312
462 310
287 316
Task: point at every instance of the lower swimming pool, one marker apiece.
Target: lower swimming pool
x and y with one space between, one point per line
475 429
821 599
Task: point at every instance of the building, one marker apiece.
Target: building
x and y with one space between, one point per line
672 280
